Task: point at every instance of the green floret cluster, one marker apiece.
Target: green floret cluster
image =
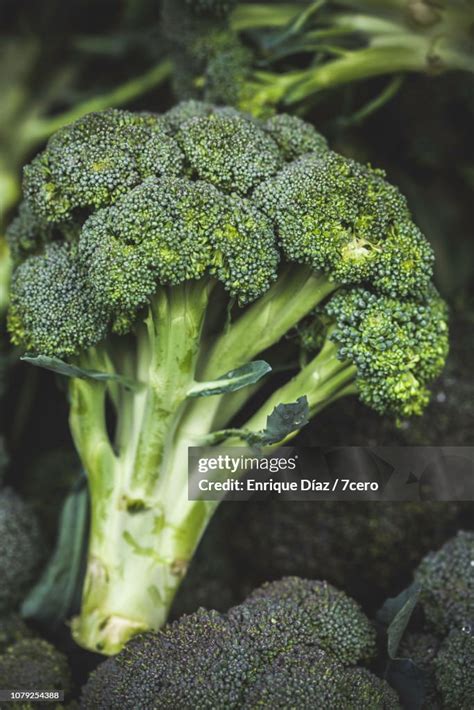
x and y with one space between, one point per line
203 237
51 310
395 346
344 218
27 234
446 578
21 549
306 612
454 666
96 160
280 648
442 644
294 136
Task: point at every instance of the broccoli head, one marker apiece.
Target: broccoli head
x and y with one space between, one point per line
158 253
34 664
21 549
312 678
454 669
276 649
306 612
446 578
446 665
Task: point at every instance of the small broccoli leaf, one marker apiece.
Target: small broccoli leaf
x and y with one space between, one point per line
402 673
396 614
56 595
60 367
232 381
284 419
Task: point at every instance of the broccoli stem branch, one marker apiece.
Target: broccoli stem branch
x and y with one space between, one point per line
296 293
323 380
143 527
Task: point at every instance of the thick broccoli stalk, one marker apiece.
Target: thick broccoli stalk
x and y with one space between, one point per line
158 253
292 643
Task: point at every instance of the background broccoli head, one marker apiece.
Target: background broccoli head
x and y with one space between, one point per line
446 579
290 641
34 664
440 641
21 549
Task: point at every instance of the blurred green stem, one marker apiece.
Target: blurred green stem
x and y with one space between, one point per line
39 129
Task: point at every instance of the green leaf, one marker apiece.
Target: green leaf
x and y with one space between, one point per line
57 593
402 673
232 381
284 419
60 367
396 612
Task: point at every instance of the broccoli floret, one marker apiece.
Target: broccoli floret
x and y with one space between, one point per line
27 234
337 215
312 679
446 578
97 159
295 137
21 549
306 612
454 670
34 664
274 649
202 238
12 630
51 311
395 346
230 153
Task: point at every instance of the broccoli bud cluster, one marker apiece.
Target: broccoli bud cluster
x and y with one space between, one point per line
121 204
292 643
